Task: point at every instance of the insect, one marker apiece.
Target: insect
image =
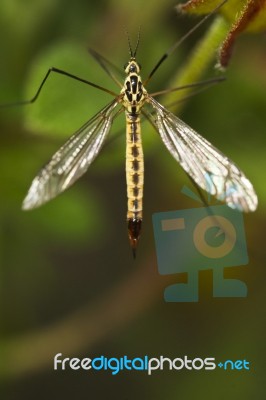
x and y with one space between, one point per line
195 154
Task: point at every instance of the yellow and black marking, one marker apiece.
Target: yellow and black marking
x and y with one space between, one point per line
133 96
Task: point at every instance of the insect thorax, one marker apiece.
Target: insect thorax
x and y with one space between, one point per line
133 93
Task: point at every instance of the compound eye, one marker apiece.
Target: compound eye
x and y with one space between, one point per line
133 68
126 65
139 66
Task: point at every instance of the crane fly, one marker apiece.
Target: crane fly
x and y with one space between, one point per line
195 154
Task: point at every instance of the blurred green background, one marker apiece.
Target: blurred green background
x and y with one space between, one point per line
68 280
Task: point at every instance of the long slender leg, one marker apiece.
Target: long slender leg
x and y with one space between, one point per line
178 42
58 71
102 61
206 82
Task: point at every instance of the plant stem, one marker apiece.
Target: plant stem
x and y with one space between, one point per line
198 62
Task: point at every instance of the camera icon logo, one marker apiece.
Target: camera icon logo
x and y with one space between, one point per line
205 238
226 228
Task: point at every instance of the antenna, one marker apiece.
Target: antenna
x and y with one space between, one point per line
137 44
129 45
133 53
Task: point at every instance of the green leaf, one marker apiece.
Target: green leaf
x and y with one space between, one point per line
64 104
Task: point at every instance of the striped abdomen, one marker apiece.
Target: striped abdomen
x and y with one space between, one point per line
135 178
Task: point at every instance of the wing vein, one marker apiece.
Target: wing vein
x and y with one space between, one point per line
206 165
72 160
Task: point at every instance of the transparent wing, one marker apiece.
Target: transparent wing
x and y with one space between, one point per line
206 165
72 160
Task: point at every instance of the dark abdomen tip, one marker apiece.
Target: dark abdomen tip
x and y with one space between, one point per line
134 228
